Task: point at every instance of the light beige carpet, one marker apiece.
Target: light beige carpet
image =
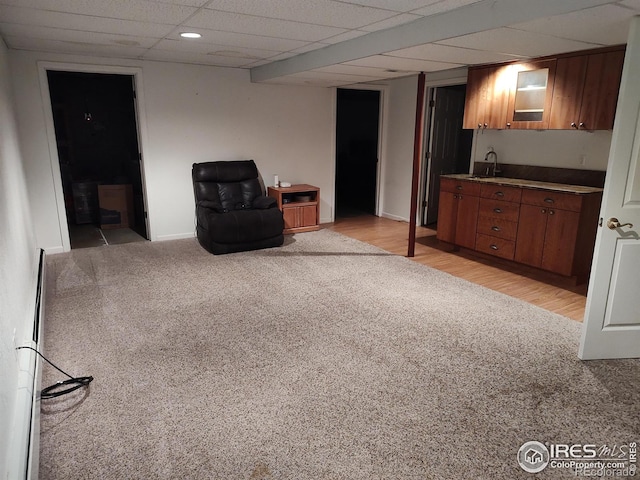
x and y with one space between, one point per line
324 359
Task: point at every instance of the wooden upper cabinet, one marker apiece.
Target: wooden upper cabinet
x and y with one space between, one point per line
531 94
487 97
586 91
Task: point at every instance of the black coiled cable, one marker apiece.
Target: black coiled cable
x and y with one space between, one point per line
73 383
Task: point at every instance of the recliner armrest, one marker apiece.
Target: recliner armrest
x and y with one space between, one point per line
264 202
212 205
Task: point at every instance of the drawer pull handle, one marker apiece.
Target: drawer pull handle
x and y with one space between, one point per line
543 210
458 187
495 228
493 247
499 194
548 200
551 212
497 210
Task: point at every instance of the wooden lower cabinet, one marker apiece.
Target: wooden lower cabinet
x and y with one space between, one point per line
300 205
458 212
547 238
550 230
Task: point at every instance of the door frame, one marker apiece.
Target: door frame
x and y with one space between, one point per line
54 160
383 111
459 78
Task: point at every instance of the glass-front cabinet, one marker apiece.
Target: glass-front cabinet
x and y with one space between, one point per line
531 95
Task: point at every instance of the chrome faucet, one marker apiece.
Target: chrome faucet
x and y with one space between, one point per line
496 167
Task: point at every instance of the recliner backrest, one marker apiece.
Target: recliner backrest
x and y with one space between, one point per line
232 185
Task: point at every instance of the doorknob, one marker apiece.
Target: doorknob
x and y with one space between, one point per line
614 223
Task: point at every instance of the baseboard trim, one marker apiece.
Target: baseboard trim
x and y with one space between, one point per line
175 236
394 217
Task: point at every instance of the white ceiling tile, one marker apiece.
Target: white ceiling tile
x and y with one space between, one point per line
319 12
445 53
70 21
391 22
246 40
219 50
94 49
402 64
344 36
93 38
395 5
443 6
605 25
70 5
517 42
201 59
234 22
141 10
632 4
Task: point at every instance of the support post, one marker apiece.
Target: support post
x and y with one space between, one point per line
417 154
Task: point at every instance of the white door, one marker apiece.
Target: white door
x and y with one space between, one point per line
612 318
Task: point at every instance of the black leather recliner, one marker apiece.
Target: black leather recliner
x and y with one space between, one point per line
232 212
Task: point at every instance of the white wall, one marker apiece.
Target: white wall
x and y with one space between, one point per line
18 262
397 164
546 148
192 114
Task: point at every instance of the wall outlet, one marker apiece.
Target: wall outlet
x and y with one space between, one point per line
583 160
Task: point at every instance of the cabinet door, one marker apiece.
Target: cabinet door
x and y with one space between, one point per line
476 98
467 221
308 215
560 241
290 215
531 95
531 235
487 97
601 85
567 92
447 214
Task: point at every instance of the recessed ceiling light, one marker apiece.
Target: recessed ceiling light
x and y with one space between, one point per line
190 35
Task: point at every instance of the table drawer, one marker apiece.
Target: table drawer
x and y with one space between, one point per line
497 227
459 186
495 246
497 209
546 198
500 192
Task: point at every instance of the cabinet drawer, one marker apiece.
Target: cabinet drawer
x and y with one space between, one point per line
497 227
459 186
495 246
496 209
500 192
546 198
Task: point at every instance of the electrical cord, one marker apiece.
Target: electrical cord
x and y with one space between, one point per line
53 391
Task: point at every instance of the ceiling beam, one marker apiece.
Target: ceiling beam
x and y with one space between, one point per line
477 17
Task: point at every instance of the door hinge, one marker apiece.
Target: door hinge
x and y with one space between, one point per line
424 203
139 156
432 103
134 94
145 214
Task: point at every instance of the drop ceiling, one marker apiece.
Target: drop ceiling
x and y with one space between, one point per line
318 42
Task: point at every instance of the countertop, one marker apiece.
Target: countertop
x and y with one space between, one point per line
519 182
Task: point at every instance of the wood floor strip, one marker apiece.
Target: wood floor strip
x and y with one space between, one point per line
545 290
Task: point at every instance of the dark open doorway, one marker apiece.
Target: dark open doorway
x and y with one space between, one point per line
449 145
97 139
357 125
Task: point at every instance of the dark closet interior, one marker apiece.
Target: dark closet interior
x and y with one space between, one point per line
97 139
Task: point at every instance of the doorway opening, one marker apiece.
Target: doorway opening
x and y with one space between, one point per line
449 145
357 144
94 116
